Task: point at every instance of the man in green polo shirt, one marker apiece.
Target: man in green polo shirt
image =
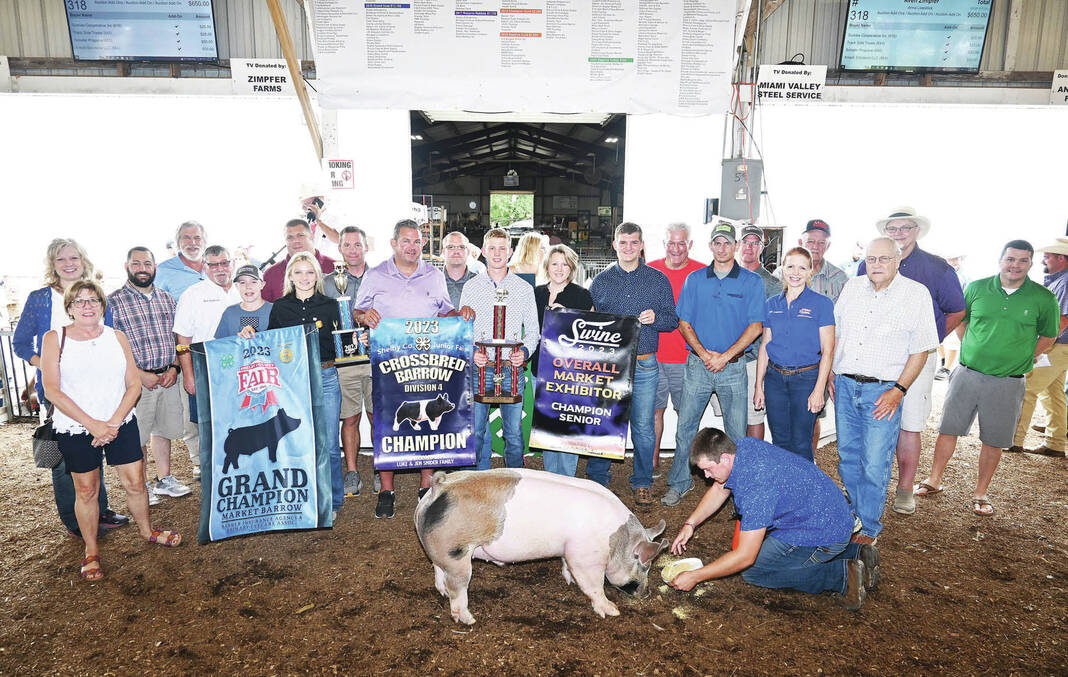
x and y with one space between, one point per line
1009 321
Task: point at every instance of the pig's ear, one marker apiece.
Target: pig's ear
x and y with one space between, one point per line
646 551
653 532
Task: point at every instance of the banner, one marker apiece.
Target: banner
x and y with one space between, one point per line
265 464
585 381
565 56
421 385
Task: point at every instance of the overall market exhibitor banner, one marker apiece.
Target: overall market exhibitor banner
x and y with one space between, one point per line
585 382
421 385
266 466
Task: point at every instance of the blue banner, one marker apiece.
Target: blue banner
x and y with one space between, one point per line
421 385
585 382
266 466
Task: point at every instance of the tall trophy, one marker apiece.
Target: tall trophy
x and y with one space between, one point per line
348 349
498 344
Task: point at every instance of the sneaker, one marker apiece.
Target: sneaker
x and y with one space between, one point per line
642 496
353 483
378 483
869 554
153 499
674 496
423 492
855 593
385 507
333 516
169 486
196 473
904 501
942 374
109 519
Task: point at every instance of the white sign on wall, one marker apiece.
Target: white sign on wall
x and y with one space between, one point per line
1058 92
567 56
791 84
261 77
341 174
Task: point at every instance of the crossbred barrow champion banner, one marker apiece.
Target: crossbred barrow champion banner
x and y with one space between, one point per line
421 385
266 466
585 382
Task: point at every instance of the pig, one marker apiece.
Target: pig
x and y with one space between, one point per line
515 515
249 439
423 410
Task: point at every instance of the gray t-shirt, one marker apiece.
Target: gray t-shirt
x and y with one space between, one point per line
456 287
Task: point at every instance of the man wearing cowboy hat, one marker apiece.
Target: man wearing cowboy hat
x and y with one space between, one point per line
312 206
950 347
1046 383
904 226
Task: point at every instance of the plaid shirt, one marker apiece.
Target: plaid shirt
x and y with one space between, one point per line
148 322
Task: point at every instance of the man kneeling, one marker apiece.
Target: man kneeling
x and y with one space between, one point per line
795 524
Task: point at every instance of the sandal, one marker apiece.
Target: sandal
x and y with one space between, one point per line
94 574
925 489
172 539
980 505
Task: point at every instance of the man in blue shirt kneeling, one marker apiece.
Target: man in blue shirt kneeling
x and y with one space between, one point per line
795 524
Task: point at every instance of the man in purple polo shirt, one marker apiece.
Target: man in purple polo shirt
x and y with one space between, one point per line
403 286
904 226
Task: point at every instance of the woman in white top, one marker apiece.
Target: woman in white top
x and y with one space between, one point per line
90 377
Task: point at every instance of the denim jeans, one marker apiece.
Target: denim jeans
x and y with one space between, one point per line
865 448
560 462
730 385
332 409
511 425
786 401
811 569
63 488
642 434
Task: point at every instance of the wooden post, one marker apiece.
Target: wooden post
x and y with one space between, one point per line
295 73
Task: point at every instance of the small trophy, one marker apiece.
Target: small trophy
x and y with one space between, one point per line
498 344
347 347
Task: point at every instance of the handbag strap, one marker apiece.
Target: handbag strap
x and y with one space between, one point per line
62 340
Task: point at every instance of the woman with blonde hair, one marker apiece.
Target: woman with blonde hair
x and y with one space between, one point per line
92 380
65 263
528 256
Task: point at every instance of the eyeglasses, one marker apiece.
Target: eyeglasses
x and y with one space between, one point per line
894 230
455 247
879 259
220 264
81 303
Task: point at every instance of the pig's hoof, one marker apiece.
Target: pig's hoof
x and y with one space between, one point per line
464 616
605 608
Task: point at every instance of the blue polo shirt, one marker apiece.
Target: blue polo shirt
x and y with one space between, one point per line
940 279
721 310
787 495
174 277
795 328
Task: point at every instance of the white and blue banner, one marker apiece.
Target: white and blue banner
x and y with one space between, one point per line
264 466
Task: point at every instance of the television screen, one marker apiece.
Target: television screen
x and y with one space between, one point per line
142 30
915 35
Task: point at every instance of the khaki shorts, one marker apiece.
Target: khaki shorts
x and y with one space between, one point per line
355 381
753 416
916 405
160 412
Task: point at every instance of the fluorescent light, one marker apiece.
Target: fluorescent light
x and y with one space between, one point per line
417 137
475 116
612 139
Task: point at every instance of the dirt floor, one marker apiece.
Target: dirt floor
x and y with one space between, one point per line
960 594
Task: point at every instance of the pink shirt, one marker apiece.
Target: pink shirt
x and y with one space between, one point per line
673 348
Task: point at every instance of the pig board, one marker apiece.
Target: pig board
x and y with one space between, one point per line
421 385
266 466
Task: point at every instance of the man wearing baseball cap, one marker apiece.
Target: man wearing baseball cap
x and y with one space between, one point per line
827 278
904 226
750 246
1046 383
721 312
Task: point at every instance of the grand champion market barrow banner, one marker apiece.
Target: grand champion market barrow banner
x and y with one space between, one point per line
421 385
265 465
585 381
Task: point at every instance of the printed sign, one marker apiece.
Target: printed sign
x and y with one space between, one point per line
341 174
791 84
421 385
267 465
1058 91
261 77
585 381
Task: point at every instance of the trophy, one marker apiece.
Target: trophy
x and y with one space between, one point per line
498 344
347 346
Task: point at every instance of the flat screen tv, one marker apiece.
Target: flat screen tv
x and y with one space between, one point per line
142 30
945 36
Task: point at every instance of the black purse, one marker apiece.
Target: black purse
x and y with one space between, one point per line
45 445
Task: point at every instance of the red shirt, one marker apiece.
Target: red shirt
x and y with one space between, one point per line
275 276
673 348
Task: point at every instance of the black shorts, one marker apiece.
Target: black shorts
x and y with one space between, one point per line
81 456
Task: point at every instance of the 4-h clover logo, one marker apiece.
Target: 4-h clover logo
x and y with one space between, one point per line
227 361
422 343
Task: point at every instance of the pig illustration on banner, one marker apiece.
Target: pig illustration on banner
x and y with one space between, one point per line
247 440
515 515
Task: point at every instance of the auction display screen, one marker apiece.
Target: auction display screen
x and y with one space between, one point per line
142 30
915 35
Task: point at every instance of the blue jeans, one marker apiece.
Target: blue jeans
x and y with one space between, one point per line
811 569
560 462
865 449
642 434
731 386
63 488
511 424
786 401
332 409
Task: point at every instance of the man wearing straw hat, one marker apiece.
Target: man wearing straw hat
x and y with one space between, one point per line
1046 383
904 226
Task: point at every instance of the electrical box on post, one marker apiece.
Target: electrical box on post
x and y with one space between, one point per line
739 197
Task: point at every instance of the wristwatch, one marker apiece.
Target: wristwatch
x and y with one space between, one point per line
902 388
